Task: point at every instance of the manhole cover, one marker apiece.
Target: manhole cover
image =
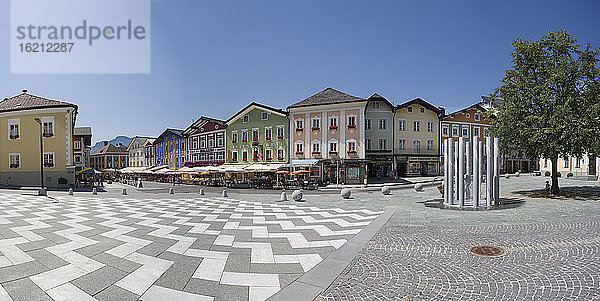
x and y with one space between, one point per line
488 251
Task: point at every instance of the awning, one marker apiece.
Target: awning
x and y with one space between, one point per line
234 167
132 169
89 170
266 167
303 162
155 168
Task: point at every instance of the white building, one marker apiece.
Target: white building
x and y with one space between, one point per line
137 152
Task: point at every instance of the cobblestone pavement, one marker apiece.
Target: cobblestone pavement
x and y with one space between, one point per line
112 247
552 252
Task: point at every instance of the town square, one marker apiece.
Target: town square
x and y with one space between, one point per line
317 150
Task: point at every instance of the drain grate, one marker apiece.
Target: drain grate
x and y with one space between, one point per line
488 251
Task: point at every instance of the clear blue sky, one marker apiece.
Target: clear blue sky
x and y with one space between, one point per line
213 57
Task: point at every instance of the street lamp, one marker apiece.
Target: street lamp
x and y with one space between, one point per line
39 121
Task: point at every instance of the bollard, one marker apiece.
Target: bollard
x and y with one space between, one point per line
224 193
346 193
43 192
386 190
517 174
94 191
297 196
418 187
70 191
507 176
171 191
201 191
283 197
124 191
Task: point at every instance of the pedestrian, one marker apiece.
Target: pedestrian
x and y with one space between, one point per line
547 188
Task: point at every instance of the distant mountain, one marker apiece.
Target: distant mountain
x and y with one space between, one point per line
119 139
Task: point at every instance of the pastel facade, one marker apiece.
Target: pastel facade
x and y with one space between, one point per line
379 137
170 149
82 143
257 133
587 166
328 127
20 141
149 159
206 142
417 138
136 152
110 157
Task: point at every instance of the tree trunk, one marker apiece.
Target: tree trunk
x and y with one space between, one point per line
554 189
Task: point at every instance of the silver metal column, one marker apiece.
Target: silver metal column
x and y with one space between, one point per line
461 171
446 171
451 185
468 158
475 181
496 170
489 178
455 198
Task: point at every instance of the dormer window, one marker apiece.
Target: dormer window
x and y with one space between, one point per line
477 117
376 105
246 118
409 109
264 116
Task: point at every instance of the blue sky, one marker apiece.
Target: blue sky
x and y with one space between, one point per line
213 57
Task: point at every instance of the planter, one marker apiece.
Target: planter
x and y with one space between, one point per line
333 127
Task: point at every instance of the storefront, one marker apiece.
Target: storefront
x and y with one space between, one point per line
418 165
380 166
345 171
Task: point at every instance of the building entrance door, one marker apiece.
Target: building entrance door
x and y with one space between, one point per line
592 166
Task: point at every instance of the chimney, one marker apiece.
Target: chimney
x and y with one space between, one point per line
120 144
105 143
24 90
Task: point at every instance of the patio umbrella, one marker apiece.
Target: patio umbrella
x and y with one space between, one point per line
282 172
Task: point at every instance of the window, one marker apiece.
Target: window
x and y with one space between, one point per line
220 157
402 144
48 159
417 146
566 162
255 135
220 142
211 143
269 154
578 163
203 142
77 144
234 137
368 144
429 144
316 147
14 160
352 121
382 144
299 125
485 132
430 126
545 163
401 125
280 154
368 124
268 133
409 109
422 110
48 126
383 124
416 125
352 146
280 132
299 148
77 159
14 128
376 105
316 123
264 116
244 136
455 131
476 131
333 146
465 131
245 155
234 156
477 117
333 123
445 130
246 118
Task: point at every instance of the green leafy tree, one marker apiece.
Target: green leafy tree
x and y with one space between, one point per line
550 100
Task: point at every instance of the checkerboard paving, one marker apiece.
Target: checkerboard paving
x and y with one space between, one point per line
107 248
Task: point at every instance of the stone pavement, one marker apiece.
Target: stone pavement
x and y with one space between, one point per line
111 247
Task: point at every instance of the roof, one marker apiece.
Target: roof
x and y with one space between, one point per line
494 104
258 105
82 131
423 103
137 138
150 141
327 96
25 101
476 106
110 149
377 97
172 131
200 122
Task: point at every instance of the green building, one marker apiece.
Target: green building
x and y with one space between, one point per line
379 137
257 133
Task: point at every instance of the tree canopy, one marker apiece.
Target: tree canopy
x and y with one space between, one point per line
550 100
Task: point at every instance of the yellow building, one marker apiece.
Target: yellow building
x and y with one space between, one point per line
417 135
20 141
